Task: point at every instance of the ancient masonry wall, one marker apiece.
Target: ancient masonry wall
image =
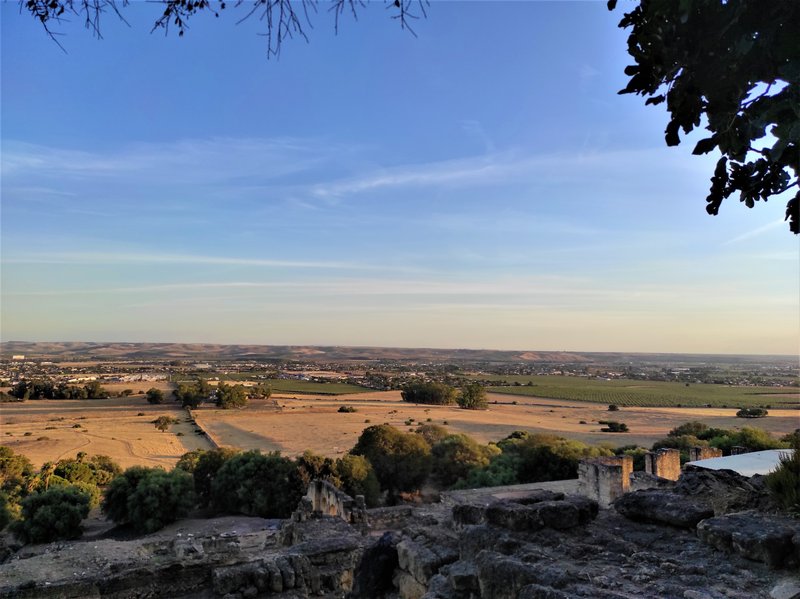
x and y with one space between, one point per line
324 499
704 453
605 479
664 463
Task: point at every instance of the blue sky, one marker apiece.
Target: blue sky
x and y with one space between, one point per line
480 185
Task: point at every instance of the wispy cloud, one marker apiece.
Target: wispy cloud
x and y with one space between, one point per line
144 258
756 232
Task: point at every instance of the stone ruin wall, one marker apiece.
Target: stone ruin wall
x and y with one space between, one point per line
604 479
324 499
704 453
664 463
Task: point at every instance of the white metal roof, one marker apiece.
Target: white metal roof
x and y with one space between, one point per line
746 464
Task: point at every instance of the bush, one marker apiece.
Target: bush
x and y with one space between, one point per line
455 456
784 482
613 408
256 484
347 409
357 477
401 460
205 466
428 393
155 396
163 423
52 515
612 426
148 498
472 397
751 413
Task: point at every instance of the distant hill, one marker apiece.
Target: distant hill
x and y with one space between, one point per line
61 351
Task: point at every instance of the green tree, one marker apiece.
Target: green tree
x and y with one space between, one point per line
231 396
432 433
193 394
456 455
16 476
94 390
256 484
163 423
402 461
473 397
155 396
357 477
205 470
52 515
733 67
427 392
148 498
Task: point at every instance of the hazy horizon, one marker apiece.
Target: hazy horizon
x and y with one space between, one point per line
479 185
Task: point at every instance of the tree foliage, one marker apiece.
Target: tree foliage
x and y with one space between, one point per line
193 394
257 484
148 498
155 396
204 468
47 389
472 397
734 68
52 515
428 392
231 396
402 461
357 477
456 455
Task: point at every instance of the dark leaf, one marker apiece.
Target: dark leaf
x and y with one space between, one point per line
704 146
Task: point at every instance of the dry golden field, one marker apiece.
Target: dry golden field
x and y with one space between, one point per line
111 427
114 427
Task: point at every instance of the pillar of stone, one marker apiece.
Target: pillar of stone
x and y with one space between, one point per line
604 479
664 463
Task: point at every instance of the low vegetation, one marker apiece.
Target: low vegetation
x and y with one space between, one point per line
47 389
429 392
752 413
628 393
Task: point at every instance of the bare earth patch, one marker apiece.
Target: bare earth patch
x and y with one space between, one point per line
61 428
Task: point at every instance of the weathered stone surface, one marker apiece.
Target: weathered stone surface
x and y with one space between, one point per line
373 575
725 490
537 591
587 508
465 514
753 536
557 514
501 576
788 588
663 507
422 561
513 516
463 576
407 586
539 495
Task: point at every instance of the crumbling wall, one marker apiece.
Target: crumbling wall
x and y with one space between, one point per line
704 453
664 463
604 479
324 499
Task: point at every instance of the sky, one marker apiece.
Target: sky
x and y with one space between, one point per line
480 185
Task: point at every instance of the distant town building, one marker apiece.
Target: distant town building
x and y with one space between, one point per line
18 357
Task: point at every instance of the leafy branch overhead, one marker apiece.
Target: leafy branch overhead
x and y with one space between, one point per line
282 19
734 68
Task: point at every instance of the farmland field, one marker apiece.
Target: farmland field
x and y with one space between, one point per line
647 393
292 386
115 427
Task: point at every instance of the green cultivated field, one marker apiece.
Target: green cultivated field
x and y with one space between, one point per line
289 386
649 393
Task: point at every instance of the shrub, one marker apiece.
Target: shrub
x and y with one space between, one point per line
155 396
401 460
784 482
52 515
347 409
256 484
751 413
613 408
163 423
612 426
357 477
472 397
454 457
428 393
205 468
148 498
